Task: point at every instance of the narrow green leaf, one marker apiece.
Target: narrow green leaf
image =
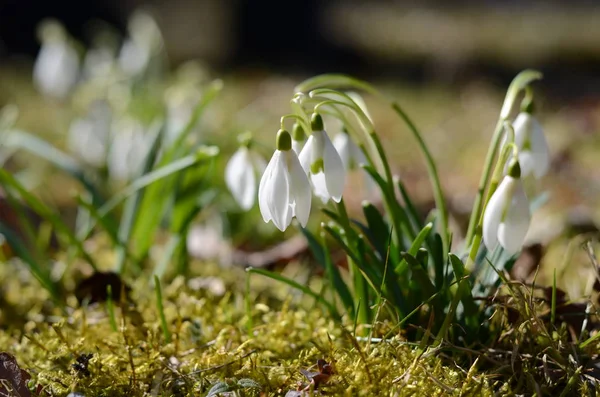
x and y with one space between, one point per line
334 81
7 180
470 307
39 272
278 277
35 145
333 273
378 230
132 204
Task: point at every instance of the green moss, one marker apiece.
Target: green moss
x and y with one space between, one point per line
211 343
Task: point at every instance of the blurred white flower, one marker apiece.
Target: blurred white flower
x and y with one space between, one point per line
284 190
133 58
98 63
128 149
145 40
534 156
507 215
241 175
89 136
56 68
321 161
349 152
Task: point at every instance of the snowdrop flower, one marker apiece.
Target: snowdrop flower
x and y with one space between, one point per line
349 152
145 41
88 137
284 190
56 68
322 163
128 149
534 155
241 175
298 138
507 216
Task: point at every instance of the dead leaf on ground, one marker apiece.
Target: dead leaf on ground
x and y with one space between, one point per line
13 380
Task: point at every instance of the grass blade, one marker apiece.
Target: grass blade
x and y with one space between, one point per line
304 289
7 180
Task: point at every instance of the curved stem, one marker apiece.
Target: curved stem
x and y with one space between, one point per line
509 149
433 176
290 116
483 182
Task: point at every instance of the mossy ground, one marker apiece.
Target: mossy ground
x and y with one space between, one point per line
211 343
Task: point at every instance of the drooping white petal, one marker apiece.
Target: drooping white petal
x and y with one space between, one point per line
265 186
335 173
494 210
534 156
240 178
539 150
342 144
297 146
514 226
278 199
306 155
300 194
319 185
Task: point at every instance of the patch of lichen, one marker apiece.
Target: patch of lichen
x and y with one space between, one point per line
211 342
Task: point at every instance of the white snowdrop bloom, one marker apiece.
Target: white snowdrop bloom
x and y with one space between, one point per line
128 149
88 137
534 156
507 215
349 151
284 190
133 58
98 63
56 68
241 175
144 41
321 161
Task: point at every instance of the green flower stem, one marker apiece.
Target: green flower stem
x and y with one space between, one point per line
509 149
440 202
520 82
161 310
361 288
477 212
296 117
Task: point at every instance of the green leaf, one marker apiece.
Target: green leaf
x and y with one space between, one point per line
157 197
7 180
35 145
378 230
204 154
419 275
278 277
411 210
470 307
132 204
334 81
333 273
39 272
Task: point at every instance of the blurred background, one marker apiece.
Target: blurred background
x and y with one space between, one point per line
447 62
